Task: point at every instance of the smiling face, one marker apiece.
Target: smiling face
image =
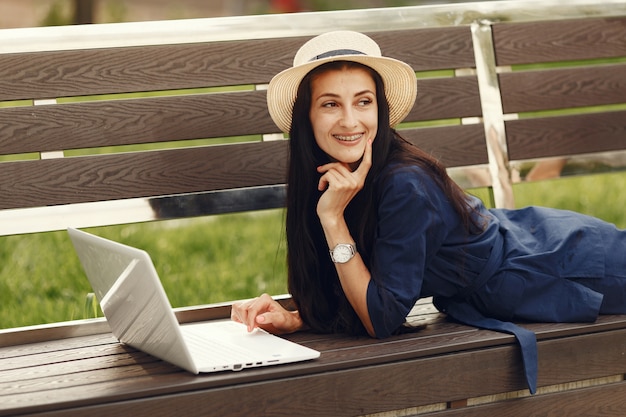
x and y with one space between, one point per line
344 112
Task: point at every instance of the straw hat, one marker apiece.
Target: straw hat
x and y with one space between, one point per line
398 77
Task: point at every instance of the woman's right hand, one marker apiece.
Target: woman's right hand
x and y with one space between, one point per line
266 313
339 185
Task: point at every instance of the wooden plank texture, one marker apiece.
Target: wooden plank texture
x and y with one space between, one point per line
563 88
559 40
346 379
124 122
164 119
169 67
566 135
453 145
446 98
145 68
427 49
141 174
599 401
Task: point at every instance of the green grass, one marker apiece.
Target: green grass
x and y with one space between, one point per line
219 258
200 261
600 195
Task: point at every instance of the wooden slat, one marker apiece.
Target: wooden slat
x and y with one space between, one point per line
453 145
150 120
336 383
26 380
52 375
565 40
175 382
446 98
16 350
128 175
32 335
147 68
428 49
347 392
566 135
600 401
563 88
123 122
168 67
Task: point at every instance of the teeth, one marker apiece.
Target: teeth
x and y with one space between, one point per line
348 138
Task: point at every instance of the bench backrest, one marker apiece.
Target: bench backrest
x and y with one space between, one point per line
109 124
583 76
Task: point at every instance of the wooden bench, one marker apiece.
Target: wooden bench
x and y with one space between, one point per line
493 123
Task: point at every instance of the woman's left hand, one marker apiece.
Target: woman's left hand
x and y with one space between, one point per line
266 313
341 185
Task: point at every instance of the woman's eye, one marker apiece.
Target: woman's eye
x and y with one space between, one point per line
329 104
365 102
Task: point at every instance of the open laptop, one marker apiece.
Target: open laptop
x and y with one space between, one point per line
140 315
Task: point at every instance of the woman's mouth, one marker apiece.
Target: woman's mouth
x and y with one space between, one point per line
348 138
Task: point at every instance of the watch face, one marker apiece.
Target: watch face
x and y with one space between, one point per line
342 253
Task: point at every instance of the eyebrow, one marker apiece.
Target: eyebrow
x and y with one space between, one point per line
333 95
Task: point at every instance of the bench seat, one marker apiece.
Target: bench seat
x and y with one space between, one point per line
444 366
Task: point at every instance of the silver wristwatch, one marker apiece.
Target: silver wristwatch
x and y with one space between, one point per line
342 253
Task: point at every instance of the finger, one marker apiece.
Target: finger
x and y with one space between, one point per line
235 312
243 317
274 322
255 308
330 176
366 162
234 316
265 318
244 312
252 311
323 183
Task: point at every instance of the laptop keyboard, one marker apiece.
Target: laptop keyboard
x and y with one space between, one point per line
207 350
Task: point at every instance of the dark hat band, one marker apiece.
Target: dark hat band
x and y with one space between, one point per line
336 52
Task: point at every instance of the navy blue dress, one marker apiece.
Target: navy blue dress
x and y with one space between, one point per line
532 264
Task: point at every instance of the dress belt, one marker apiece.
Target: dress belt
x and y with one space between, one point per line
461 310
491 266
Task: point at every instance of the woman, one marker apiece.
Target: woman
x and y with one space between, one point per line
374 223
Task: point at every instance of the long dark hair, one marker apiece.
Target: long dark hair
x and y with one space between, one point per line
312 277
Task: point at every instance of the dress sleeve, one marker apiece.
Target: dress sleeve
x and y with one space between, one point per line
410 230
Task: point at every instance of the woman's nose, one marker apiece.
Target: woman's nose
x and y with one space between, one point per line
348 118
